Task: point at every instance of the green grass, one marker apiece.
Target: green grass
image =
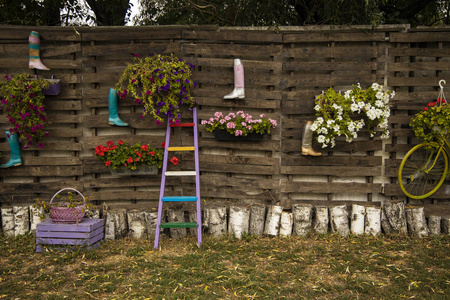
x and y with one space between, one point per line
314 267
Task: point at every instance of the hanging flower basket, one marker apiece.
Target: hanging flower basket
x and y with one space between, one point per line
223 135
67 213
140 170
54 87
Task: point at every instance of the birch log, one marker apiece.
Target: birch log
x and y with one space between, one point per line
239 220
257 219
303 216
193 218
434 225
217 221
339 220
176 215
115 224
357 219
321 220
8 221
286 223
21 220
150 222
373 220
137 227
393 218
35 217
272 224
446 225
417 224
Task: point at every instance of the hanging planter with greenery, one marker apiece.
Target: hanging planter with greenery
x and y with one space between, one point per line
23 103
160 83
338 114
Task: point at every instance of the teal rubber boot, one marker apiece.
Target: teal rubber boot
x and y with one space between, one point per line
15 159
113 109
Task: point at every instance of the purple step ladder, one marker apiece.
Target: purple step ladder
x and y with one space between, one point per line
165 173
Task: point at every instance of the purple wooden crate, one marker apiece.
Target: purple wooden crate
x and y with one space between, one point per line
88 233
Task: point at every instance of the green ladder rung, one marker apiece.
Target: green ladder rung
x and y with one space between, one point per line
179 225
179 198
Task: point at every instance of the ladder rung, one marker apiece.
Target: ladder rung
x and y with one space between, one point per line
179 198
181 173
191 148
179 225
182 125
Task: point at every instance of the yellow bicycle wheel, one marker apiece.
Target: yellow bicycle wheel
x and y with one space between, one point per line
423 170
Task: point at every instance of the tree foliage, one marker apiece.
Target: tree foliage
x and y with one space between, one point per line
294 12
64 12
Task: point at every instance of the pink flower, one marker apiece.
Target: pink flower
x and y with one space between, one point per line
230 125
238 133
221 121
243 124
262 115
204 122
218 114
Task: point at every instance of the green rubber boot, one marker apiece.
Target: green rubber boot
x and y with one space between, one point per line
15 159
113 109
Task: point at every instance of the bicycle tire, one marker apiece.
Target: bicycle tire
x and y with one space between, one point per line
412 178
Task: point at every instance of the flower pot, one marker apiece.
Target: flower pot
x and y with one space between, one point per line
54 87
67 214
223 135
140 170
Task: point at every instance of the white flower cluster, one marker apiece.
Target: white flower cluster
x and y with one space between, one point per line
333 112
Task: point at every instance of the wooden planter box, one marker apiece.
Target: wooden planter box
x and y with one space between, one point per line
140 170
223 135
87 234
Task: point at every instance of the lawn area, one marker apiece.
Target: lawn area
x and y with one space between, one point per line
313 267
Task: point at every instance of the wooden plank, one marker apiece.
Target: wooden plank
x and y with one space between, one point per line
108 195
329 187
235 35
332 36
118 33
38 187
51 63
62 105
294 145
420 66
266 145
416 81
419 37
42 171
238 168
328 80
112 49
52 161
48 33
315 53
127 181
219 180
330 66
240 50
341 171
393 189
430 52
332 161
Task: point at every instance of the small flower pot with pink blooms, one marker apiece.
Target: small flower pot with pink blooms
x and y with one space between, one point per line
239 126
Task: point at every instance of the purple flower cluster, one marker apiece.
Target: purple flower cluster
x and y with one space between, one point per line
24 108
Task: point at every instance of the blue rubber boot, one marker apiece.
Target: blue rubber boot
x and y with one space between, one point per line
113 109
15 159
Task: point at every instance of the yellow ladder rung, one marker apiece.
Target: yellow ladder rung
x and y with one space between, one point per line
181 149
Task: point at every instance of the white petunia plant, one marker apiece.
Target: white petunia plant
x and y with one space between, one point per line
340 114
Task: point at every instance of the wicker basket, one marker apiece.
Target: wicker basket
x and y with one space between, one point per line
67 215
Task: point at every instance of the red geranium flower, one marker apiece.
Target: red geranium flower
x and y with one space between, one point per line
121 142
174 160
163 144
108 163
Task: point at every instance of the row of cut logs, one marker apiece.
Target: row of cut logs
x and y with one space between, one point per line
238 220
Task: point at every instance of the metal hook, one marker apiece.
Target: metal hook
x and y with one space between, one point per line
442 81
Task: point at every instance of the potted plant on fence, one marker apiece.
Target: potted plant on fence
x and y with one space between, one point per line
432 122
238 126
338 114
160 83
123 159
23 104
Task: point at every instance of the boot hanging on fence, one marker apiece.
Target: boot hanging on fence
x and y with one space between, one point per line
113 109
238 91
15 159
307 141
35 48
